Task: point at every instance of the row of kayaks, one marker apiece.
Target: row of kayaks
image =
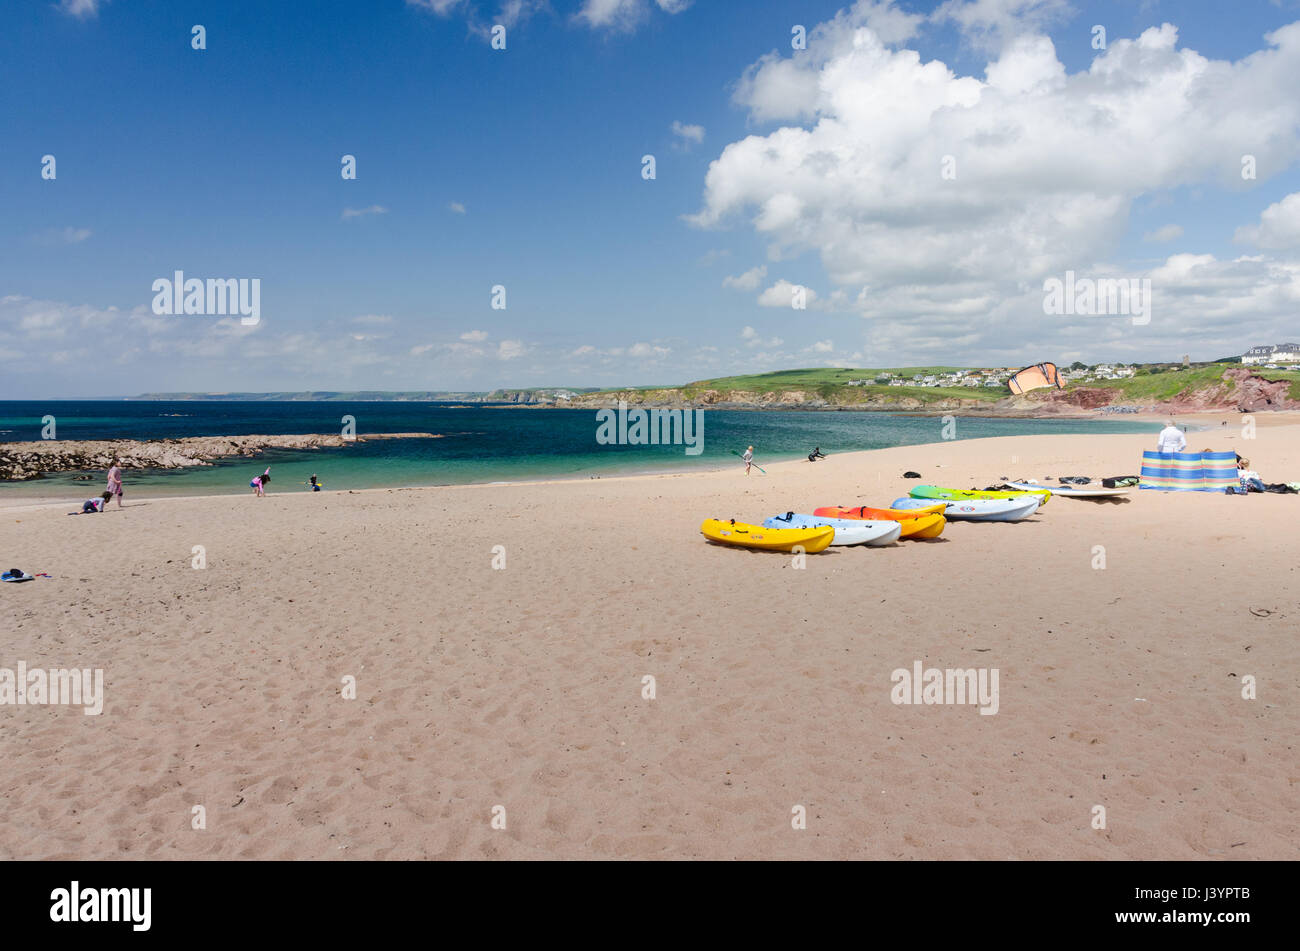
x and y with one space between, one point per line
920 515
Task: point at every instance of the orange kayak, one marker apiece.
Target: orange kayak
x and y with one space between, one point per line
916 523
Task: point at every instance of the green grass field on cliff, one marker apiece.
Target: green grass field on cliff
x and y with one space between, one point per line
832 383
1154 387
1151 384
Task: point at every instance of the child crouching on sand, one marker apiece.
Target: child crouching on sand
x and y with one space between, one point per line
259 483
93 505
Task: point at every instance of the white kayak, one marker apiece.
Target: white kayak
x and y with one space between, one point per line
848 531
978 510
1072 491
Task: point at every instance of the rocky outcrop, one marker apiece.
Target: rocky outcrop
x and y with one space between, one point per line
31 460
1251 392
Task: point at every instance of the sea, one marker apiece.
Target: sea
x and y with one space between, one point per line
478 443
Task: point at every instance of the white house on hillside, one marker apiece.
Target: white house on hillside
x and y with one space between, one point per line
1281 352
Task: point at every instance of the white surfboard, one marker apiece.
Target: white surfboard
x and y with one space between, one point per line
1072 491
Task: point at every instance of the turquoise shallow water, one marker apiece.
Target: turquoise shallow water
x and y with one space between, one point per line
478 443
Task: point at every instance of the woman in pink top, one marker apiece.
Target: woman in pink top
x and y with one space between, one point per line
115 482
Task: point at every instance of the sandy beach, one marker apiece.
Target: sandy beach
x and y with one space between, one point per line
522 686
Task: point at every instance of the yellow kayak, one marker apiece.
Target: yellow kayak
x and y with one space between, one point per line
742 535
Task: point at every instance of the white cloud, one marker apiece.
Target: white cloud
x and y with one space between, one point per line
689 134
1048 165
362 212
81 9
511 349
821 346
373 320
752 339
474 336
748 281
69 235
991 22
440 7
782 294
642 351
1163 234
623 15
1278 228
456 207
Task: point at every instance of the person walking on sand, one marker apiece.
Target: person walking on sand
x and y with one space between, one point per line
114 487
749 458
1171 439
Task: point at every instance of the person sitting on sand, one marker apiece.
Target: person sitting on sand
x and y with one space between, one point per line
1171 439
315 486
1250 479
115 482
816 454
749 458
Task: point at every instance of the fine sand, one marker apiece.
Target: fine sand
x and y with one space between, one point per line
522 688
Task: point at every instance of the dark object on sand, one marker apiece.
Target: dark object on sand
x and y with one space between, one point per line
911 475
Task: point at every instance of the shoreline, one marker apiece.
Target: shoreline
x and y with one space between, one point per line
860 456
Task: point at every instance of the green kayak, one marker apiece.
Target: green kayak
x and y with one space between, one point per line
957 495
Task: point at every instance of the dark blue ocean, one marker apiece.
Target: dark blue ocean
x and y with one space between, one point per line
478 443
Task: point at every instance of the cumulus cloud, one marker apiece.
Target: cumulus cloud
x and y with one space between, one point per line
349 213
753 339
1163 234
1278 228
689 134
1047 164
81 9
474 336
748 281
624 15
989 23
782 294
511 349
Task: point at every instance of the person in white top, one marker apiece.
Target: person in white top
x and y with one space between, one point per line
1171 439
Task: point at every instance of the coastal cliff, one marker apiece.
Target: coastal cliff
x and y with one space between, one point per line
1200 389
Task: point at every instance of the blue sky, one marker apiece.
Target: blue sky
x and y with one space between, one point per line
522 167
